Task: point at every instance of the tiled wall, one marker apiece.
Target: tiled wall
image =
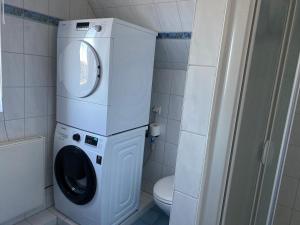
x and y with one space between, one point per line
29 72
288 209
168 90
197 110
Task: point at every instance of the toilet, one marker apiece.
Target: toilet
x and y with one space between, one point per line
163 193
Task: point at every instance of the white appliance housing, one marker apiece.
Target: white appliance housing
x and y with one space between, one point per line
105 70
114 163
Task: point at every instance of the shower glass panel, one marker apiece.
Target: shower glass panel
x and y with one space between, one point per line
255 115
276 152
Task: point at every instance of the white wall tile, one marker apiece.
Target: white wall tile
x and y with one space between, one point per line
78 9
36 70
177 51
189 169
137 2
295 218
121 2
288 192
51 123
206 39
153 171
173 129
52 40
157 154
198 99
161 54
186 11
168 171
15 129
295 140
59 8
36 38
282 216
3 135
162 81
40 6
170 155
126 13
13 103
178 82
185 209
49 197
18 3
35 101
292 165
297 200
90 13
147 186
146 16
169 17
36 126
12 30
109 13
52 72
13 69
51 100
175 107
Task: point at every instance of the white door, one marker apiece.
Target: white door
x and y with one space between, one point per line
80 69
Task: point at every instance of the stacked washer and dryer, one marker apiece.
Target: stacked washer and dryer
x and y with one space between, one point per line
105 69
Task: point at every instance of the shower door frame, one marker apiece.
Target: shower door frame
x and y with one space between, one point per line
238 30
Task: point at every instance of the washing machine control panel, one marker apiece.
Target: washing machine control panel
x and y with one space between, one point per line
91 140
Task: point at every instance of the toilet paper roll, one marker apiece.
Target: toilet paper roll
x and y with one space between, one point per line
154 129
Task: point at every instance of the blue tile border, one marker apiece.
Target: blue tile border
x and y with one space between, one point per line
42 18
175 35
24 13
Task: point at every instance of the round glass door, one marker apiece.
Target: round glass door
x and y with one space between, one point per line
75 175
80 69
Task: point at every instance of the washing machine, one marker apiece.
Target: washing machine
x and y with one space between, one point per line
97 179
104 75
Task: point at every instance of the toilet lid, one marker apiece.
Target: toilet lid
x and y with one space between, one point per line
163 189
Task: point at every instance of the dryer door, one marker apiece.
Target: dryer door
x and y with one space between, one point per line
80 69
75 175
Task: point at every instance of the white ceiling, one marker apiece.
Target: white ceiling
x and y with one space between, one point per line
159 15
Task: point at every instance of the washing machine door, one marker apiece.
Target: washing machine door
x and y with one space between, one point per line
80 69
75 175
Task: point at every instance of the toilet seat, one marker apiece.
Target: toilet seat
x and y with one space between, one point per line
163 190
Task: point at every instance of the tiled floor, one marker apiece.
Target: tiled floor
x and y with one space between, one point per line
148 214
153 217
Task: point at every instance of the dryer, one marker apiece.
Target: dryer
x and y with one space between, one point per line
97 179
104 75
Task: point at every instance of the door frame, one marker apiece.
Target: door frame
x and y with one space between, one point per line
239 21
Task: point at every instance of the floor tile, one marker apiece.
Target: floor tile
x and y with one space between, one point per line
162 220
23 223
139 222
43 218
150 217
